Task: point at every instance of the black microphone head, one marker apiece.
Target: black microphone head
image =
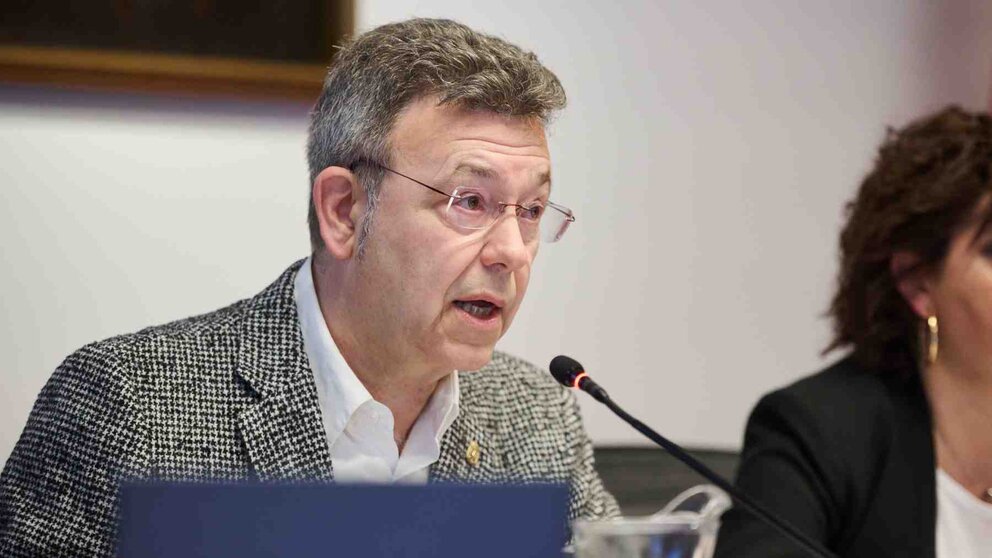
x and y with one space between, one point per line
566 370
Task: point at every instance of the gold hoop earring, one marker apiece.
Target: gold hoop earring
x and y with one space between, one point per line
933 339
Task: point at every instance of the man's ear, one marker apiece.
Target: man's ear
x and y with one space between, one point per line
913 284
339 200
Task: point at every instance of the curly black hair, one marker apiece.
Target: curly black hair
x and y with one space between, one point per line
928 183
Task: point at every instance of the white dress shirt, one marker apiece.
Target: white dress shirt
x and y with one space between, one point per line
964 523
360 429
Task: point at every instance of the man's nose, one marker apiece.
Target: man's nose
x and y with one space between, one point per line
506 245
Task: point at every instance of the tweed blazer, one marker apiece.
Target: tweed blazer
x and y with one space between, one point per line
230 395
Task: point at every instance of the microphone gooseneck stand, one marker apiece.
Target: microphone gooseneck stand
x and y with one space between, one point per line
570 373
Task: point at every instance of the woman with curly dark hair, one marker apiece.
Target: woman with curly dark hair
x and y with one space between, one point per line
889 451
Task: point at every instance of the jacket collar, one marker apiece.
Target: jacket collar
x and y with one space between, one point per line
282 429
907 486
899 485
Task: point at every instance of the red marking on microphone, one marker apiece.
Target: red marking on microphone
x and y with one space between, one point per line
578 379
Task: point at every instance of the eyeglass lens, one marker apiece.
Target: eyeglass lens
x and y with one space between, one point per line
474 208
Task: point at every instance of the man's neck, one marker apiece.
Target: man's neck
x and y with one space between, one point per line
403 386
405 401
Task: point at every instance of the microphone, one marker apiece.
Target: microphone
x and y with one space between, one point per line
570 374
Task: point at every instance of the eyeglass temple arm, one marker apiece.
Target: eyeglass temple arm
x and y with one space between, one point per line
367 162
569 216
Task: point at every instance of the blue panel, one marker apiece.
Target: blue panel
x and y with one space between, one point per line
302 521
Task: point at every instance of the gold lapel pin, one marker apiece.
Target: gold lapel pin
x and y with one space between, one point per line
473 453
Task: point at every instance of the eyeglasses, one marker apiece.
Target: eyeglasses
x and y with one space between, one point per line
473 208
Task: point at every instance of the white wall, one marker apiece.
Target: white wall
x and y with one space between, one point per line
707 150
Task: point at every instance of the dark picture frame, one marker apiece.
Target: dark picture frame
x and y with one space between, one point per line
244 48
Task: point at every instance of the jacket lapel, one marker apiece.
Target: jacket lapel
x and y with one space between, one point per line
282 430
902 514
470 450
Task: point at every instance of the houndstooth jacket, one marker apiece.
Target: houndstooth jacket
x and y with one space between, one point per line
229 395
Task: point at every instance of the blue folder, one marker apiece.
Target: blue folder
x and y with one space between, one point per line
303 521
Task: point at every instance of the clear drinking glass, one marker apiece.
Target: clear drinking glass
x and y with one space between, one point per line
685 528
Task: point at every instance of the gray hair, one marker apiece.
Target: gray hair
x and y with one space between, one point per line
376 75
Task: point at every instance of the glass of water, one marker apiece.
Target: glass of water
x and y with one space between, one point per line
685 528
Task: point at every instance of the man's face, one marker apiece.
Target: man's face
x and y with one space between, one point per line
438 296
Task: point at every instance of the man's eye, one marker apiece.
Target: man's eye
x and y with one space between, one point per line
470 202
532 213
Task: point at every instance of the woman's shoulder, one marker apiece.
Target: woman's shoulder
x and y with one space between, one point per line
842 408
823 446
845 389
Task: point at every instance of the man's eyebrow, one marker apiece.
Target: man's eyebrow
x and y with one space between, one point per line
490 174
476 170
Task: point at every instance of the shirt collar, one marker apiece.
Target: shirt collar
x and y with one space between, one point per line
339 390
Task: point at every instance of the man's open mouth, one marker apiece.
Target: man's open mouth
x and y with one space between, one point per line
478 308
